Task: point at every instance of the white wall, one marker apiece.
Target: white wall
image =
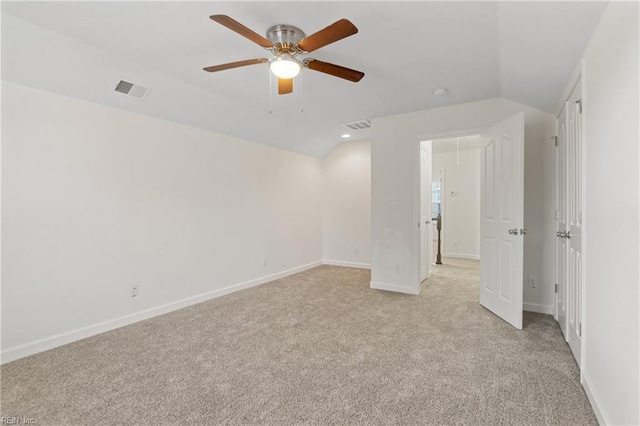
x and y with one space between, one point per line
347 205
461 212
95 199
611 355
393 150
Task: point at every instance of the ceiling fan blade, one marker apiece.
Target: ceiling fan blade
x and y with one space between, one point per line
230 65
285 85
335 70
236 26
334 32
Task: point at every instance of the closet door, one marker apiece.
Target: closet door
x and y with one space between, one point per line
561 218
575 279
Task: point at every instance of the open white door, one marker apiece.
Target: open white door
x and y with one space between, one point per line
426 229
502 222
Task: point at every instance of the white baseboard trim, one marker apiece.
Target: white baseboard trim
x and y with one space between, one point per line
347 264
31 348
462 256
535 307
393 287
601 415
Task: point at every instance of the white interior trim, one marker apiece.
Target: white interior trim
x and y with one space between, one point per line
581 70
538 308
347 264
393 287
21 351
443 199
416 280
598 410
462 256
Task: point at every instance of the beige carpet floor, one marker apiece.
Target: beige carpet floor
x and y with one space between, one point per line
319 347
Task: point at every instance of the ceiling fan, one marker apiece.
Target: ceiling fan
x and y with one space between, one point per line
286 42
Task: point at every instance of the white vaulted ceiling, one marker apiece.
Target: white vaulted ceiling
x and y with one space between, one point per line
523 51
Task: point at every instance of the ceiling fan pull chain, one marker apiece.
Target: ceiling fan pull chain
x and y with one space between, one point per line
301 92
270 90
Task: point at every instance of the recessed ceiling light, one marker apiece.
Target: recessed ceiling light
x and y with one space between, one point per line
441 92
345 135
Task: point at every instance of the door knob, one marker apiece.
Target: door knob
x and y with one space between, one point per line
559 234
567 234
513 231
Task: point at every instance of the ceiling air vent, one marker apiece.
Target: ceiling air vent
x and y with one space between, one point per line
358 125
134 90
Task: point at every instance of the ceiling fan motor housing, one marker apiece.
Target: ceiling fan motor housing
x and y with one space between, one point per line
285 35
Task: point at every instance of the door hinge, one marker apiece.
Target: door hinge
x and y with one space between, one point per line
555 140
557 214
579 102
580 329
556 288
580 216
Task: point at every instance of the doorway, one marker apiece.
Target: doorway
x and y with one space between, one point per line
497 228
456 164
449 193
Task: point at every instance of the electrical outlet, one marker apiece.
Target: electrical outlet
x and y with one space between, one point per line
394 202
398 268
356 250
455 243
134 290
265 261
532 282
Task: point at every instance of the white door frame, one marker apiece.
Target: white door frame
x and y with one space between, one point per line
426 227
583 161
442 203
417 284
560 222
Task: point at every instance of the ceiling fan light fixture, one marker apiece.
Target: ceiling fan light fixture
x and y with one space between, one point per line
285 66
286 42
